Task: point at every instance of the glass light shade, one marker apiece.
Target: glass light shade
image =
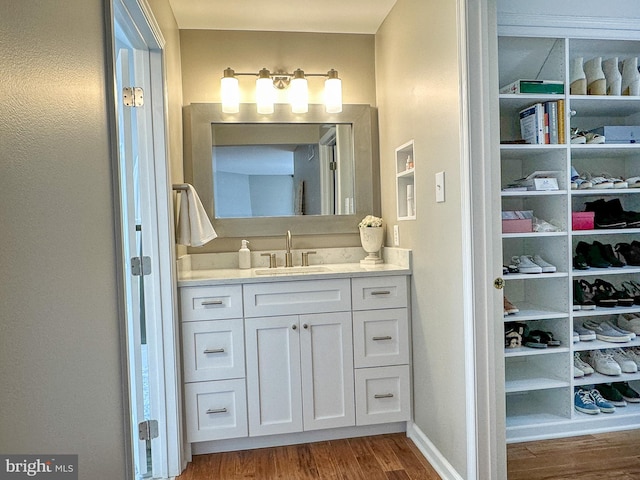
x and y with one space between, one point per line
333 94
265 92
299 93
230 92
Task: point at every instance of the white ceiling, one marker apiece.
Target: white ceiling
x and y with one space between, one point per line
327 16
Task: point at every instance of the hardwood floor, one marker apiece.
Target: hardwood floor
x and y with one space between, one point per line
614 455
381 457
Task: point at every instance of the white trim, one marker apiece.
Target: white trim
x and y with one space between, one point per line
152 23
467 242
432 454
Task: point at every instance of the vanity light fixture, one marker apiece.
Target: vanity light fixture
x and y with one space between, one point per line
267 83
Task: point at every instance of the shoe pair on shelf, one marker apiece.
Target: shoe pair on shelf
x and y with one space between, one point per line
604 181
610 214
609 76
586 296
609 332
509 308
590 401
580 367
629 322
630 252
518 334
597 255
531 264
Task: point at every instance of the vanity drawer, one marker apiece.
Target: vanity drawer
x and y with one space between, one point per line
380 337
210 303
379 292
213 350
382 395
216 410
285 298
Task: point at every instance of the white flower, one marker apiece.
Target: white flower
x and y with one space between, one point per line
370 221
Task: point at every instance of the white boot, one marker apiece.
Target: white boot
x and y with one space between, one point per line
630 77
596 82
577 78
613 76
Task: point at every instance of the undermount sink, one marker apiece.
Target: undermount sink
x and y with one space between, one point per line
291 270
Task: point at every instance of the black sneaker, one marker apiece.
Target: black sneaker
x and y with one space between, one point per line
628 393
611 394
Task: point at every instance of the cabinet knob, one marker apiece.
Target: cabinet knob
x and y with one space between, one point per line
498 283
294 327
305 326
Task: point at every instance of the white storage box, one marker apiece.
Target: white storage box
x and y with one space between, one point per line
619 134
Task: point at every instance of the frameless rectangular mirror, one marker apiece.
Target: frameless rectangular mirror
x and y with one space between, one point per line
274 170
260 175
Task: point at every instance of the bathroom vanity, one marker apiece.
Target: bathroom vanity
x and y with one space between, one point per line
280 356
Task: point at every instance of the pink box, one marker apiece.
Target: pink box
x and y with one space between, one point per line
520 225
582 220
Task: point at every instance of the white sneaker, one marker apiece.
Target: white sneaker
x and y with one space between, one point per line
581 364
633 354
627 365
604 363
546 266
526 265
577 373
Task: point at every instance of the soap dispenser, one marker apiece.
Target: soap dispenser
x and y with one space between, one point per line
244 255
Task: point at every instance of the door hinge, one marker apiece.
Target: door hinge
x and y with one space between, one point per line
140 266
133 96
148 429
333 165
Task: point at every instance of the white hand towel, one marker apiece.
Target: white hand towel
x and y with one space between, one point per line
194 227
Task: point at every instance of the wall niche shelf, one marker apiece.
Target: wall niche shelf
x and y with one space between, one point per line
405 182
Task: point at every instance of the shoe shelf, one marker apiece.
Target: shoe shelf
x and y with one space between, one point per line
595 272
536 372
598 378
529 311
583 346
539 382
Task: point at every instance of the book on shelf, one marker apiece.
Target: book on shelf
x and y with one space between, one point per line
534 86
540 123
561 124
532 124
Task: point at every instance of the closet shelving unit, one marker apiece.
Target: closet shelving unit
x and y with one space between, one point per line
405 181
539 383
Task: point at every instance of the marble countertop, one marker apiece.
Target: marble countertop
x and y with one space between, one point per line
200 271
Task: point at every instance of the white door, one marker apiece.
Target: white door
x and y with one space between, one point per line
326 358
146 244
273 375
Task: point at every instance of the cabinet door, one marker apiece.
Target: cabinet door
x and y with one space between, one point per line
273 375
326 356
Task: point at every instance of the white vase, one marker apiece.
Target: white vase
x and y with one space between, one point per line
371 239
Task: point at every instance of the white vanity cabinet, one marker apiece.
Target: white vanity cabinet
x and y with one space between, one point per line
299 365
213 362
381 349
293 356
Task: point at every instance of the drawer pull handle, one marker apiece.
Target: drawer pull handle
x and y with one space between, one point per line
216 410
214 350
383 395
386 337
381 292
212 302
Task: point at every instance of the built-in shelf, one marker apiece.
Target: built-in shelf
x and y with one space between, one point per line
405 181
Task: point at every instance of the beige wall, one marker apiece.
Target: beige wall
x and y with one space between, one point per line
60 358
417 80
173 70
206 53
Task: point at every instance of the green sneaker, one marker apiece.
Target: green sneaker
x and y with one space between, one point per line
628 393
611 394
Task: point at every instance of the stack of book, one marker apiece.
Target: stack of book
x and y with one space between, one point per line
543 123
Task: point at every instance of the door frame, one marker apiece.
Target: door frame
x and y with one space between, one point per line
480 76
168 454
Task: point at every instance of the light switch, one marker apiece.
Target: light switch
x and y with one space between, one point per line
440 187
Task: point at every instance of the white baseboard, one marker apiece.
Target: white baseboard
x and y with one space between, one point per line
432 454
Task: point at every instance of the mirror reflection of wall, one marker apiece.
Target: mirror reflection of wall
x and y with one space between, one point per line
255 175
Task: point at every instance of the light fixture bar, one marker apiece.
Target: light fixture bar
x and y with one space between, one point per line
267 83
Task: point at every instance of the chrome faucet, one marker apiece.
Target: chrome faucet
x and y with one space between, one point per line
288 260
